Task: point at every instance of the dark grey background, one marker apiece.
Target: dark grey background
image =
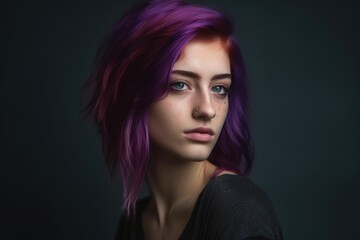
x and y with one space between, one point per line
303 62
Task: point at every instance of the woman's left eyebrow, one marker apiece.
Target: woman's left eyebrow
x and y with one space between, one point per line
197 76
221 76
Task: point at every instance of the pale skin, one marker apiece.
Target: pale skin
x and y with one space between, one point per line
178 169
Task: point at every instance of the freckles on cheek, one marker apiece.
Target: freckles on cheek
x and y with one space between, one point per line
223 107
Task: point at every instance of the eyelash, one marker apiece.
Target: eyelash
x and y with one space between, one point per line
174 86
223 92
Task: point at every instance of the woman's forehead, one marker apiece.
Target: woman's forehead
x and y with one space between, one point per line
203 55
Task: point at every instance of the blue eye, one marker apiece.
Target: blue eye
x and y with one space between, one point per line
220 90
178 86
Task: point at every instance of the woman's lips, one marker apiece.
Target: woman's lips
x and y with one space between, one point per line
204 135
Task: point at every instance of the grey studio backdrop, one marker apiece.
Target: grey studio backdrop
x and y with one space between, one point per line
303 63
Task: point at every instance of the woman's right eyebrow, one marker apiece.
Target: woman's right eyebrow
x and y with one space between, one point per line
186 74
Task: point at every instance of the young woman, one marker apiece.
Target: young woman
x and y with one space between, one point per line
171 104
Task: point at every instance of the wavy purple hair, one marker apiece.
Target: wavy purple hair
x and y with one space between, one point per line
132 70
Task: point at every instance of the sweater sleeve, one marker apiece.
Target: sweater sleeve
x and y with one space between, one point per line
235 208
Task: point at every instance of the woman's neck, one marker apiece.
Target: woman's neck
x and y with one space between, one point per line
175 185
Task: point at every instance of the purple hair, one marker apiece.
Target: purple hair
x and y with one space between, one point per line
133 69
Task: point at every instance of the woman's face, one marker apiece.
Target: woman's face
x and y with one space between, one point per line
187 122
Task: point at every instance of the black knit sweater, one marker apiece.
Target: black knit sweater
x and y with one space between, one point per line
230 207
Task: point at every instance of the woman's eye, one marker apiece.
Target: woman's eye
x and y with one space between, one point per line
220 90
179 86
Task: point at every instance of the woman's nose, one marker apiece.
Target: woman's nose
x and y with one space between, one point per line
204 107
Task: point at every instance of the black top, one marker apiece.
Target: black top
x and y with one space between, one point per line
230 207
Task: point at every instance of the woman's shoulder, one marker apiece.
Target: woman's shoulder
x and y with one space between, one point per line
237 202
236 188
